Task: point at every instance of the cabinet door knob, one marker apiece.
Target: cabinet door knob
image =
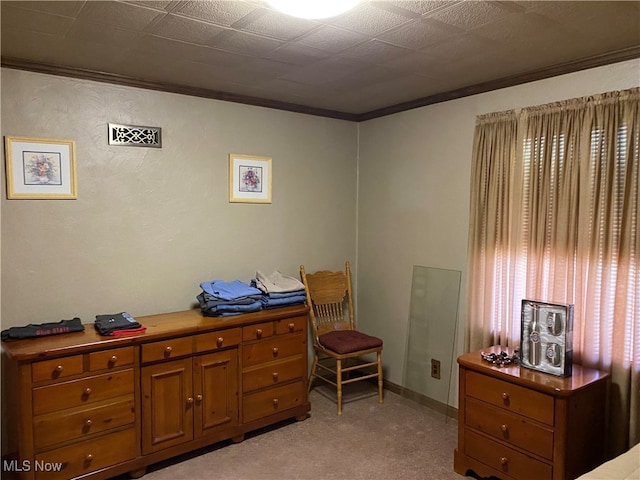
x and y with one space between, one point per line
259 333
275 376
504 427
504 460
276 402
88 423
505 396
292 326
275 351
190 400
113 359
89 457
199 398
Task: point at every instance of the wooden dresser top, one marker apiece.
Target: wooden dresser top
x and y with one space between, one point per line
545 382
160 326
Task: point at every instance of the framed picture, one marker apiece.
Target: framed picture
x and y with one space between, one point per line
249 179
40 168
546 337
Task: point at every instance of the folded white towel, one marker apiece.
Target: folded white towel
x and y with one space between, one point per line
277 283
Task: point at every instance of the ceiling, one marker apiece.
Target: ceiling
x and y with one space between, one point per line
381 57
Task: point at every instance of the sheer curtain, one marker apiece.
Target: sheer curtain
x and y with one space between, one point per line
555 206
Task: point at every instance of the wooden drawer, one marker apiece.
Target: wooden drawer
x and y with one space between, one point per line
514 429
521 400
82 391
273 373
257 331
267 402
218 340
272 349
291 325
79 459
167 349
56 368
505 459
76 423
116 357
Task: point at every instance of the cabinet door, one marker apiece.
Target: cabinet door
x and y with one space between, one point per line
215 384
167 404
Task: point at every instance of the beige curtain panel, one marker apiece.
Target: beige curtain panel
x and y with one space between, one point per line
555 207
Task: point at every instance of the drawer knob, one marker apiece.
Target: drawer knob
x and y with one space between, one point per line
167 351
292 326
87 391
505 396
89 457
88 423
504 460
275 376
275 351
259 333
276 402
113 359
220 341
199 398
504 427
59 369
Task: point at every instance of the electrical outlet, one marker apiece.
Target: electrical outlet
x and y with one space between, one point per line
435 368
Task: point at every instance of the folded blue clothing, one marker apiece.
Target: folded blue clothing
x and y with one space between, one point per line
270 302
205 298
229 290
295 293
231 308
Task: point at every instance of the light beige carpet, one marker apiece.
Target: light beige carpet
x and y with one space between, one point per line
399 439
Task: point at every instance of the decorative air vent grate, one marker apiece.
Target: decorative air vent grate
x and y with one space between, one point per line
135 136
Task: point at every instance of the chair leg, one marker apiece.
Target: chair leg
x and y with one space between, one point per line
312 375
380 383
339 385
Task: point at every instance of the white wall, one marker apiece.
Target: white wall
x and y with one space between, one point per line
150 224
414 174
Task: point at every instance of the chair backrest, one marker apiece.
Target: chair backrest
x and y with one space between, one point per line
329 299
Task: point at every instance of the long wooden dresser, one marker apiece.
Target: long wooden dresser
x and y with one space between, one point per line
85 405
515 423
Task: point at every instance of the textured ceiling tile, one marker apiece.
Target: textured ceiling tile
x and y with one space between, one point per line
460 46
277 25
151 46
375 52
364 77
418 34
157 4
419 7
416 62
324 71
368 19
297 54
106 35
34 21
245 43
24 44
67 9
470 15
332 39
219 12
186 30
522 30
124 15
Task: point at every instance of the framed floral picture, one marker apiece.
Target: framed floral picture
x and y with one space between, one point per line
249 179
40 168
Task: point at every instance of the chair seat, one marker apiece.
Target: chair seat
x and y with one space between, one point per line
348 341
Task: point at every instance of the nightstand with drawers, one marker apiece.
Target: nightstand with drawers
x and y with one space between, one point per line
515 423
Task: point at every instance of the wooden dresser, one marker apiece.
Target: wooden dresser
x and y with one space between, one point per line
83 405
517 423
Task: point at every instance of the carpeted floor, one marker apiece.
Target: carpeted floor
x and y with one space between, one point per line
397 439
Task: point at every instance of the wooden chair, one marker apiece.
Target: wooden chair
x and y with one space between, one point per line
337 343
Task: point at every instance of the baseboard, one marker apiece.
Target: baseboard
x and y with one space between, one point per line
443 408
